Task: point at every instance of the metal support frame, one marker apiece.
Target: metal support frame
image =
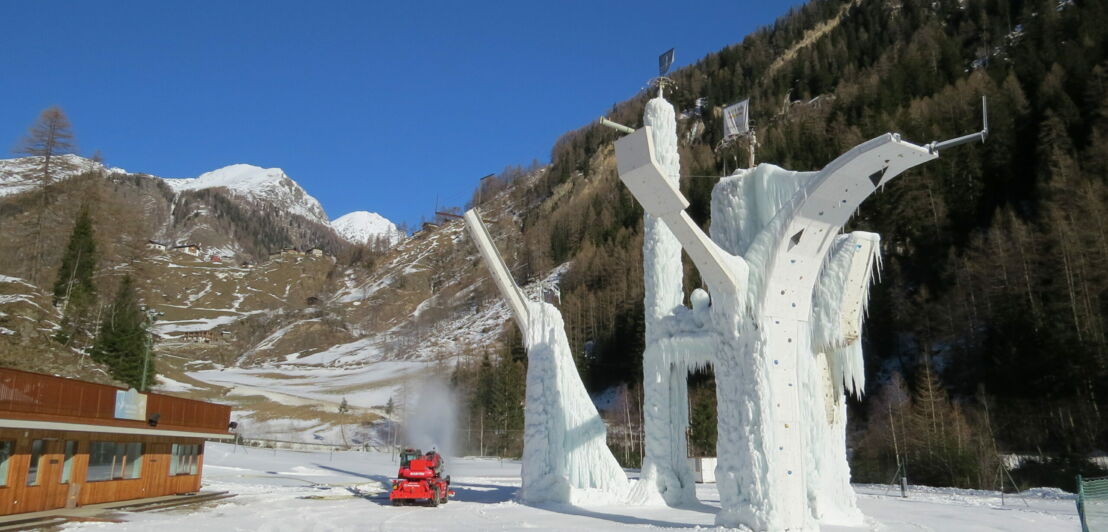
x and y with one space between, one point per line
936 146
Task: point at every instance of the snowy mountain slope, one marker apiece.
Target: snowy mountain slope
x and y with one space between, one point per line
270 186
426 306
359 227
290 336
18 175
266 185
28 321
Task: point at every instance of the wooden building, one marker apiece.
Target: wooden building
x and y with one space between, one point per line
67 443
200 337
189 249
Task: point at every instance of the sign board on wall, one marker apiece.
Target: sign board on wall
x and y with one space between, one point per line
130 404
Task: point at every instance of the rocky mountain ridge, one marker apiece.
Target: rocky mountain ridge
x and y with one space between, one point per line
234 191
270 186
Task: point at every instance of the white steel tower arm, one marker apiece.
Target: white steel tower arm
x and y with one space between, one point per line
500 273
639 170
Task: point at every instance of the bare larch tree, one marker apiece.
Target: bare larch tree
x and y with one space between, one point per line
50 136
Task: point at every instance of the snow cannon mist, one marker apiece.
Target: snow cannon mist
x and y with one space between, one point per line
431 423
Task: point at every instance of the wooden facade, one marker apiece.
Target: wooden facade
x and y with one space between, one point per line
51 414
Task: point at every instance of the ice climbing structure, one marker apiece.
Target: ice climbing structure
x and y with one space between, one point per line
665 470
787 294
565 452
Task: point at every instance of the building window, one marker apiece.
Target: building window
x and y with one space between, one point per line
33 466
67 466
109 460
185 460
101 457
5 457
133 461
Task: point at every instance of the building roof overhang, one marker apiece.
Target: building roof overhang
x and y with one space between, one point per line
29 424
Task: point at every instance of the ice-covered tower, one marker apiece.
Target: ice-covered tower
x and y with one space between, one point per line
565 451
665 469
787 294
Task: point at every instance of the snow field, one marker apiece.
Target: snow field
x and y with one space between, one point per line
290 491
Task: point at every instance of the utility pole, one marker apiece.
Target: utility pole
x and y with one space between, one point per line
146 341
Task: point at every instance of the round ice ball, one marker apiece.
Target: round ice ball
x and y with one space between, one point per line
699 299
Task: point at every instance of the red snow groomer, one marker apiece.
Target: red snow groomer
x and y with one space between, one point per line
420 479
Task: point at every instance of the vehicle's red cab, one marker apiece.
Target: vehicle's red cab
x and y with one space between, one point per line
420 479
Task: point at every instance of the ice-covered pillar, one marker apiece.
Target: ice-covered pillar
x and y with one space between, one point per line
786 225
566 457
779 377
665 466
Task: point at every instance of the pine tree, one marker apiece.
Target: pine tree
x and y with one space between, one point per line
74 289
123 341
702 422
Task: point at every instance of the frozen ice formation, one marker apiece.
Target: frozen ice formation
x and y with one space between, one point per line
565 452
780 328
665 469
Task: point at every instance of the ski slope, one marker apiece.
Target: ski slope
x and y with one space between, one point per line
318 491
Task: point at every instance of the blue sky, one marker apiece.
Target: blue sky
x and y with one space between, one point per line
368 105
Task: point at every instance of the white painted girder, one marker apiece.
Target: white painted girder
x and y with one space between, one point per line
639 170
500 273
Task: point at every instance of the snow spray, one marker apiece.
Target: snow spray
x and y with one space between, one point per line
432 421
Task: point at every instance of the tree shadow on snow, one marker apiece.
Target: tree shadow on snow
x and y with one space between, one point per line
384 480
378 496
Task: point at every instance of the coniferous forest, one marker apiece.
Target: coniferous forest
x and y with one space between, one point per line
986 333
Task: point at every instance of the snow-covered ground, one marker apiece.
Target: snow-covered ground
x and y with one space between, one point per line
319 491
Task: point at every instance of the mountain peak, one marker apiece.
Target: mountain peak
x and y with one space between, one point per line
359 226
270 185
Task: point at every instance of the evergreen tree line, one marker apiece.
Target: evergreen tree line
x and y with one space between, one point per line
491 390
118 331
